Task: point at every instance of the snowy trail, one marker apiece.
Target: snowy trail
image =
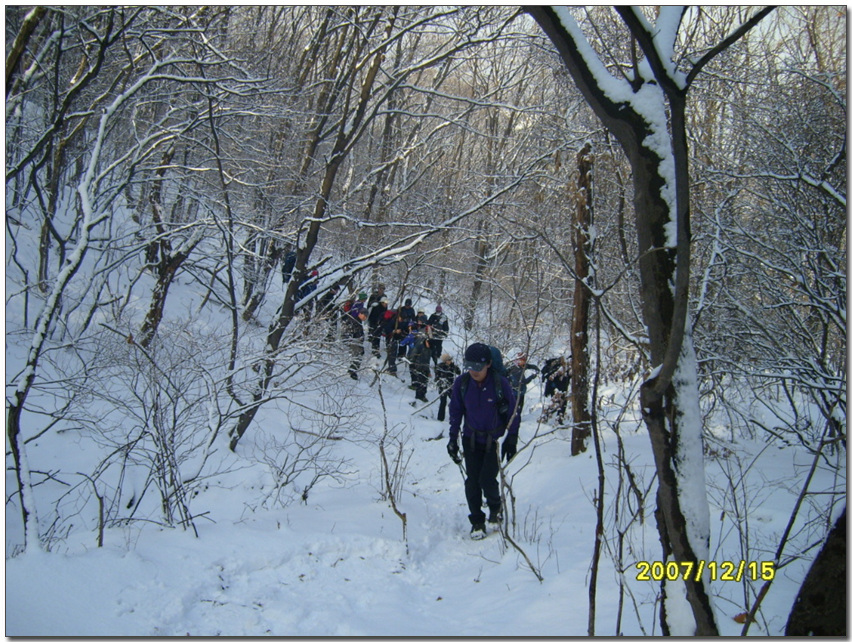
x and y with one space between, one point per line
338 565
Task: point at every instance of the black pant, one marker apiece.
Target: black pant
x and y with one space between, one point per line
482 468
392 346
376 340
437 349
442 407
356 347
420 379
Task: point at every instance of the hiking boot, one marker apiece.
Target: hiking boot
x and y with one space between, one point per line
477 531
495 515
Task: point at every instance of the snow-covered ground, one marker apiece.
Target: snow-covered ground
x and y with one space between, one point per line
338 564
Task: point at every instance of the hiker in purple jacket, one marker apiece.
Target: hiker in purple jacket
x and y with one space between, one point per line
486 410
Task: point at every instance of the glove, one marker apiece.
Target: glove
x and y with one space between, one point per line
453 450
510 447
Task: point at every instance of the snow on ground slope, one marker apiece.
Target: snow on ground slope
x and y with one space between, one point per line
337 564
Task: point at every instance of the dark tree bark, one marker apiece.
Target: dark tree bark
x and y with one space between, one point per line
582 300
480 265
160 250
324 59
13 56
820 606
166 270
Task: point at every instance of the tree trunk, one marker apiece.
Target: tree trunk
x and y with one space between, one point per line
287 311
664 272
161 250
347 132
820 606
166 271
582 299
480 266
22 475
14 53
257 270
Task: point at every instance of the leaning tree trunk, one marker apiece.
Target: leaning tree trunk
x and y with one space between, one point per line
480 265
287 311
166 271
820 606
664 273
657 151
674 426
168 259
582 299
347 132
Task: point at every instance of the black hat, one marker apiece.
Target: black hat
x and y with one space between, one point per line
477 356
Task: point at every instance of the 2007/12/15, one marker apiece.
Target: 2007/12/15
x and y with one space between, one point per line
724 571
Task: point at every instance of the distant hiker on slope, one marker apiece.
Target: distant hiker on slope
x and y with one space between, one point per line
556 374
375 296
440 329
353 334
420 355
486 402
519 382
407 316
375 319
394 333
421 320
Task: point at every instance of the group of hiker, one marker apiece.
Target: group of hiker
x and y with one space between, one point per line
408 334
485 398
415 338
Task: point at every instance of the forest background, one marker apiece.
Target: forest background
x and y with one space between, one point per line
162 162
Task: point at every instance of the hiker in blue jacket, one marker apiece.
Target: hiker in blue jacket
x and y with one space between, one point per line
486 401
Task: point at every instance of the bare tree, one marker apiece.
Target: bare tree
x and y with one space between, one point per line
820 606
122 54
365 90
774 317
658 155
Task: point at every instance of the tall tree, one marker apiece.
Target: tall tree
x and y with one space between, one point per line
821 607
645 109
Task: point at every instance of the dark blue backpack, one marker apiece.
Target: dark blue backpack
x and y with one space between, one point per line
497 362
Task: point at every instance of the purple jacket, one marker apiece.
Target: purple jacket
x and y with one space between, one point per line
480 409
